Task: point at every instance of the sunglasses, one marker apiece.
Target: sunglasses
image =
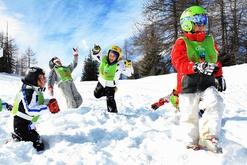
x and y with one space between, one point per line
200 19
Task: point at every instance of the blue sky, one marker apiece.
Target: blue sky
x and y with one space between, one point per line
53 27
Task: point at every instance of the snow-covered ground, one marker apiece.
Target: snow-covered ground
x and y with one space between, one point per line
137 135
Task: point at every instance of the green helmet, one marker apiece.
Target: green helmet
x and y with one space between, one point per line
191 16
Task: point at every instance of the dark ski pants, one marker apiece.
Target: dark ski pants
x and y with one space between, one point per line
109 92
22 132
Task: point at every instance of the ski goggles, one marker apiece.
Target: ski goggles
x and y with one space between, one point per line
200 19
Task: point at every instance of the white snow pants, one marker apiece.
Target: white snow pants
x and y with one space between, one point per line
210 124
72 96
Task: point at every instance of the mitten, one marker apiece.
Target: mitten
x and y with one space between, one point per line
75 52
128 63
9 107
96 49
220 83
205 68
53 106
50 89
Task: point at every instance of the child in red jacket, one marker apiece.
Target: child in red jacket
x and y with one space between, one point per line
195 58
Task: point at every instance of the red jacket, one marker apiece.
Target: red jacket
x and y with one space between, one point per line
185 71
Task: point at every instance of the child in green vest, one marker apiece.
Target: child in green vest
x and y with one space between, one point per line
28 105
62 76
195 58
110 68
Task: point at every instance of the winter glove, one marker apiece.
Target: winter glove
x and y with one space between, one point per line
5 105
9 107
205 68
220 83
201 112
50 89
96 49
53 106
75 52
128 63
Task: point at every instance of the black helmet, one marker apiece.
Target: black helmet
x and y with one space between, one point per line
51 62
32 75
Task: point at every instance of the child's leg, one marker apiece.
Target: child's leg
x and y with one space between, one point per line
110 100
189 126
37 141
66 88
77 96
20 129
99 91
210 123
24 133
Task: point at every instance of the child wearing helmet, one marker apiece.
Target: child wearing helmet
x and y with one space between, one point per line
28 105
110 68
195 58
62 76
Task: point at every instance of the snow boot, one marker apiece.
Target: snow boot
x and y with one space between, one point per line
111 104
193 146
15 137
211 144
39 145
201 111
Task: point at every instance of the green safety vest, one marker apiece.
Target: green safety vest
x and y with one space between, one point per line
17 100
107 71
205 50
64 73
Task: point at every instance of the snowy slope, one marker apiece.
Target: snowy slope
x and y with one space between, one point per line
90 135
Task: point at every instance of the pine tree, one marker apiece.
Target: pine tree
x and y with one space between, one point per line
30 55
23 65
161 21
90 69
151 44
7 62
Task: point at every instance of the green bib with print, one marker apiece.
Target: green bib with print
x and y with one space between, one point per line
64 73
201 51
107 71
